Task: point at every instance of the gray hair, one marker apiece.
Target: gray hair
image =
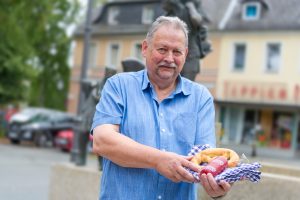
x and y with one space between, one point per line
166 20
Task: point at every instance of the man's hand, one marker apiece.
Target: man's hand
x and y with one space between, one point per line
172 165
213 188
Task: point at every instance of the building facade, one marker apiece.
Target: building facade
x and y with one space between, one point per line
258 85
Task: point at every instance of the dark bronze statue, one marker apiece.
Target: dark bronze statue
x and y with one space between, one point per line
190 11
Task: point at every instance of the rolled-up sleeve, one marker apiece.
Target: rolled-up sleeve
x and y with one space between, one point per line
109 109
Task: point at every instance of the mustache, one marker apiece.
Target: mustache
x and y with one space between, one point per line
165 64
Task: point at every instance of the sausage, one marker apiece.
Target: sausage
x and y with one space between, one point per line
215 166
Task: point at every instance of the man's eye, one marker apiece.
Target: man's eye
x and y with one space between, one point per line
161 50
177 53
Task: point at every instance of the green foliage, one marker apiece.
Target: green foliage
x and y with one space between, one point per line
34 51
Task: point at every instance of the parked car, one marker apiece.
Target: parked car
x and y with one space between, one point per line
39 125
64 140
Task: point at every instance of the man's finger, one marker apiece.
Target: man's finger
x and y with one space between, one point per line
205 184
186 176
226 186
213 184
192 166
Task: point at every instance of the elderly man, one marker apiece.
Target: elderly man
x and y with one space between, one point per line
147 121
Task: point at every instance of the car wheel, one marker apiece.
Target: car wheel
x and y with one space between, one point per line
14 141
43 139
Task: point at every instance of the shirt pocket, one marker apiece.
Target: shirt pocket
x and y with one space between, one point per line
185 128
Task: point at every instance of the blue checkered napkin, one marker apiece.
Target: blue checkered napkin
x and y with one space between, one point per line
198 148
241 172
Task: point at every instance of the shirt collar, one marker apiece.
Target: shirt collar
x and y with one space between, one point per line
182 86
145 83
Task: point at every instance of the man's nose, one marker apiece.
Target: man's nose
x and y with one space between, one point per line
169 57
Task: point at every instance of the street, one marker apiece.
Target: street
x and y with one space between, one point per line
25 171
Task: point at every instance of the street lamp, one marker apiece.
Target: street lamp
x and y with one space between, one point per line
78 152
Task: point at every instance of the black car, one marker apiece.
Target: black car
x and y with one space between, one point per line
39 125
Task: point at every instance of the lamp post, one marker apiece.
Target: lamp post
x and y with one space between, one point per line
78 153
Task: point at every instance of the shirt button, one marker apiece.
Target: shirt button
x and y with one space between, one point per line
159 197
163 130
161 114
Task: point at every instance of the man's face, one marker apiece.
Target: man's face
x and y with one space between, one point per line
165 54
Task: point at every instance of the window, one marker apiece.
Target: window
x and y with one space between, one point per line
251 11
273 57
239 57
113 61
112 15
299 68
92 61
148 14
137 51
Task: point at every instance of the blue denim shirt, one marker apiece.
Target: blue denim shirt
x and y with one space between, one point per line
184 119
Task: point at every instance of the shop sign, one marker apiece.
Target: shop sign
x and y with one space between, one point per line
261 92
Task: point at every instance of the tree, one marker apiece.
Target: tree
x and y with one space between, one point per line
15 51
34 54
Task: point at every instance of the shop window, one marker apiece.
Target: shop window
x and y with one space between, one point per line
235 125
222 121
239 57
251 126
281 134
298 138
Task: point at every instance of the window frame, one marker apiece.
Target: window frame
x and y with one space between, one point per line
234 55
258 11
134 50
109 54
277 70
147 10
93 63
113 13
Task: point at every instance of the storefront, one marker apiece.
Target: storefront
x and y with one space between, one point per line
270 126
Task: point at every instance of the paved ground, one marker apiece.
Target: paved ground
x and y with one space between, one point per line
270 156
25 170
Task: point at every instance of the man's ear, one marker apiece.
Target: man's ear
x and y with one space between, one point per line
144 48
186 52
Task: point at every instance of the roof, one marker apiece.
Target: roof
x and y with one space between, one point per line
215 11
129 18
275 15
224 15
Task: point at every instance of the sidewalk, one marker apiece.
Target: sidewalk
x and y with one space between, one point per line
271 157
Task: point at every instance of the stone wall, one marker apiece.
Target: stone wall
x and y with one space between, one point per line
69 182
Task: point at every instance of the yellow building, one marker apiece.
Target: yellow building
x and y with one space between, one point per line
258 84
